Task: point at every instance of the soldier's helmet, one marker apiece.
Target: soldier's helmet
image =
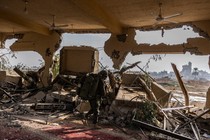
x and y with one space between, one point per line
103 74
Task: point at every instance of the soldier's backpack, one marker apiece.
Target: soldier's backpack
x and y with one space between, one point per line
89 87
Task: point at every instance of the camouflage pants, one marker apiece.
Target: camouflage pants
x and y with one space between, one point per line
94 104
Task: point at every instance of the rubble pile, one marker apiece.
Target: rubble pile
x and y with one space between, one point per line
133 101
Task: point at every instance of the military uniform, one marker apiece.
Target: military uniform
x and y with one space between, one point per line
96 101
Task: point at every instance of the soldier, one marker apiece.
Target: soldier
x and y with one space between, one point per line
96 101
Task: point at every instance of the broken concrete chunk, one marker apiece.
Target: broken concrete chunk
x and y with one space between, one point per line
72 63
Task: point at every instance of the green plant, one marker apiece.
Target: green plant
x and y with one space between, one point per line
55 65
146 112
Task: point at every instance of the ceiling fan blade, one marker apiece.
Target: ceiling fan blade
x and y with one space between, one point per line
174 15
47 22
60 26
174 22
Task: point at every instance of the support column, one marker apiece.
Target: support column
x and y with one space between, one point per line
44 45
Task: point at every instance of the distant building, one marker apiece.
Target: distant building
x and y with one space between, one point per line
187 70
186 73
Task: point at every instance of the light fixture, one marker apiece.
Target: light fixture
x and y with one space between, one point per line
26 6
162 31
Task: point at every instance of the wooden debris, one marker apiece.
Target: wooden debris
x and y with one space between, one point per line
176 108
58 117
165 115
157 129
31 118
193 125
49 106
208 99
65 95
144 72
123 69
195 131
163 96
7 94
186 95
206 111
148 91
24 76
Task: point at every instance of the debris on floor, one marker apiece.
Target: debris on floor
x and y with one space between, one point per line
135 106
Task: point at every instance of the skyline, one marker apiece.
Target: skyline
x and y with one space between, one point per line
174 36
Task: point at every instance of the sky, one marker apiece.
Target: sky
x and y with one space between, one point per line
174 36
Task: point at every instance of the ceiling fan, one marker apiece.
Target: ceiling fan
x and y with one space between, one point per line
161 18
55 27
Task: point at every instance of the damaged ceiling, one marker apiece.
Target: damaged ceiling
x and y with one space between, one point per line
44 19
97 15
